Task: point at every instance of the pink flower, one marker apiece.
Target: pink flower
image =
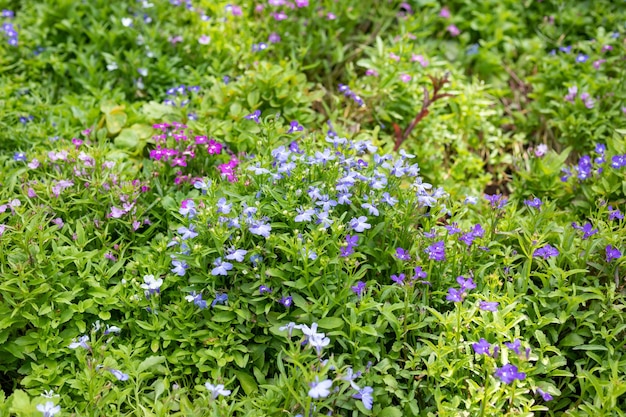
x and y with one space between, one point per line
405 78
236 10
331 16
454 31
302 3
371 73
596 64
394 57
204 40
445 13
419 58
116 213
279 16
607 48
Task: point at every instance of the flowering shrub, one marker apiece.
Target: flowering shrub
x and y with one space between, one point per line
311 208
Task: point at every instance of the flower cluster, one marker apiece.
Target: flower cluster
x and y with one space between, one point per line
8 28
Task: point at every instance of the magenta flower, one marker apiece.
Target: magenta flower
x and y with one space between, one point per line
445 13
453 30
405 78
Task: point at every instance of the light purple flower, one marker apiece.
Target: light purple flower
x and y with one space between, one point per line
612 253
359 224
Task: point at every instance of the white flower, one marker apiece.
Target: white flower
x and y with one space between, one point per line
216 390
320 389
127 21
48 409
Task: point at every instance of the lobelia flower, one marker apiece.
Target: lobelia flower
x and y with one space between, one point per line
453 30
514 346
455 295
402 254
48 409
465 283
121 376
254 116
264 289
204 40
582 58
289 327
544 395
188 208
151 285
197 300
216 390
359 224
398 279
359 288
482 347
236 255
261 229
221 268
365 395
612 253
534 203
286 301
320 389
436 251
586 229
541 150
220 298
19 156
488 305
180 267
294 126
545 252
509 373
82 342
496 200
405 78
615 214
187 233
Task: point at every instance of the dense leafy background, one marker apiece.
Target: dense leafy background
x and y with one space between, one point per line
273 113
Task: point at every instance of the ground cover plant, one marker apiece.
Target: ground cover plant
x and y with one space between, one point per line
240 208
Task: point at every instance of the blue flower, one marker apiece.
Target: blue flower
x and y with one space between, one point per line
121 376
180 267
236 255
482 347
365 395
220 298
19 156
221 268
294 126
360 224
509 373
187 233
261 229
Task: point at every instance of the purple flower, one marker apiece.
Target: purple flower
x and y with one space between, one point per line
419 273
534 203
488 305
121 376
544 395
496 200
294 126
236 255
466 283
398 279
187 233
436 251
455 295
365 395
264 289
586 229
612 253
261 229
220 298
514 346
188 208
19 156
402 254
545 252
179 268
196 298
509 373
615 214
359 288
359 224
82 342
286 301
273 38
453 30
254 116
482 347
221 268
582 58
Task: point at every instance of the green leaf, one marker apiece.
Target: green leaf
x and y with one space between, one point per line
115 119
127 139
329 323
150 362
572 339
247 381
390 412
224 316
